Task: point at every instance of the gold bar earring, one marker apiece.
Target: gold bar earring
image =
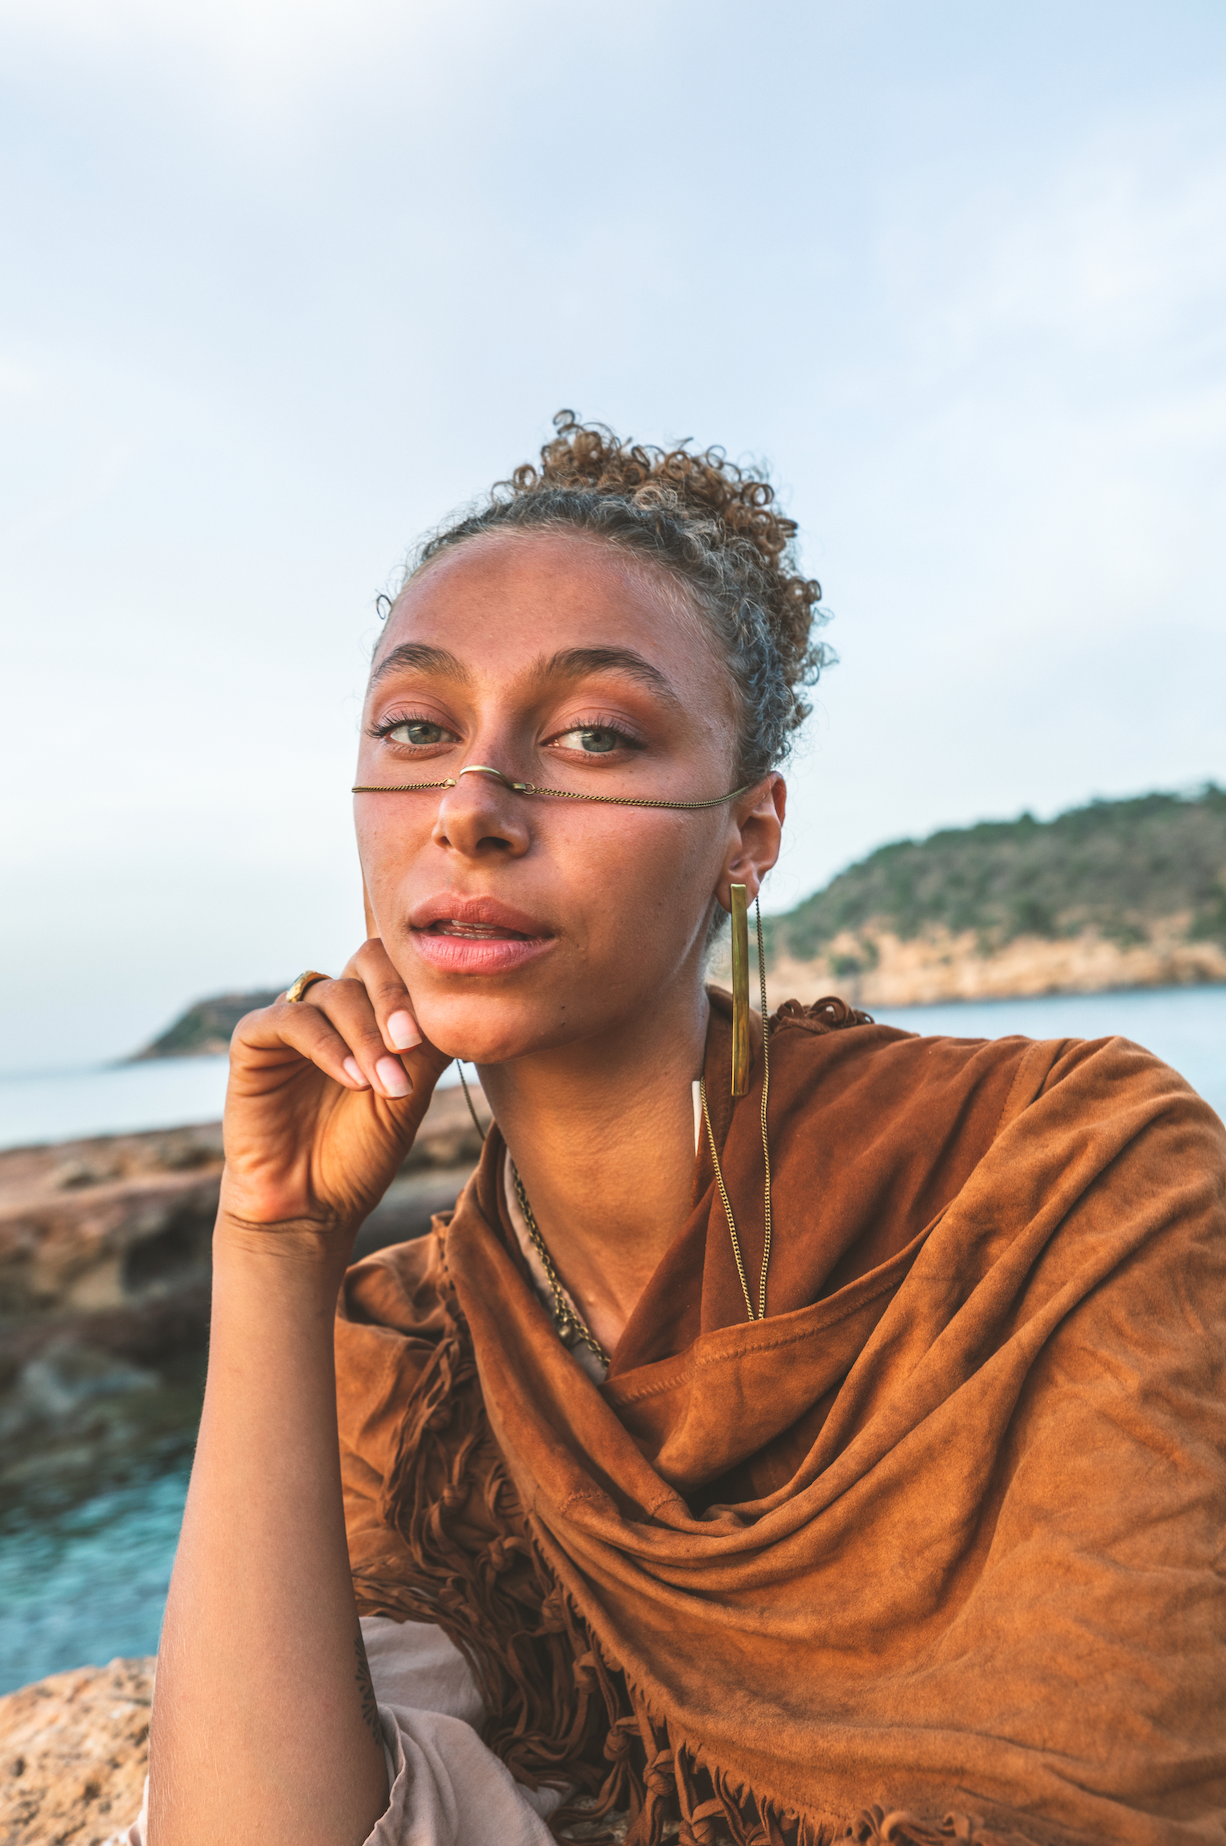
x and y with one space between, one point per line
740 990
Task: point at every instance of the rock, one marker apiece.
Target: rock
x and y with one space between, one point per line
408 1205
105 1271
874 967
73 1754
65 1377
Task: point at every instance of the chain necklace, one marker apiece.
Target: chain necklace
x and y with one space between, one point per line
566 1319
569 1322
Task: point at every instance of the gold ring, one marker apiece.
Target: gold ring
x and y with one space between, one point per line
306 979
483 769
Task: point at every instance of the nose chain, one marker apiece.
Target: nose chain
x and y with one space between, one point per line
534 788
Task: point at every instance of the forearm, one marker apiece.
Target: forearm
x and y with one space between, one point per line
264 1726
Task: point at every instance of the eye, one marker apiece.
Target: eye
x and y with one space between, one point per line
417 732
595 739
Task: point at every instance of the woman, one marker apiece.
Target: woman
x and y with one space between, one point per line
879 1493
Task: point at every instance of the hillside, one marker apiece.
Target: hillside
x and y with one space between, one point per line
1116 894
206 1026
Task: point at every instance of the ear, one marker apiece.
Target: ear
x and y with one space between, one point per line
756 834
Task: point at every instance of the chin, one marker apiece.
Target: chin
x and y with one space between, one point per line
484 1030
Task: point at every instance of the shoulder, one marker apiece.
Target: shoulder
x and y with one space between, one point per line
874 1091
832 1058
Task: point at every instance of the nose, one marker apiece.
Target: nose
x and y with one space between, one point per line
483 816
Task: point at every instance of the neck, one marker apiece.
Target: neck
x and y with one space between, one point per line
602 1133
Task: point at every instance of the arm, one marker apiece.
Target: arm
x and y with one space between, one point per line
264 1722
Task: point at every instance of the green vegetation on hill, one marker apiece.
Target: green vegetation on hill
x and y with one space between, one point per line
1115 865
206 1027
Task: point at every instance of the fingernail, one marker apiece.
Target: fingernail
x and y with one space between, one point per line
353 1069
403 1032
391 1075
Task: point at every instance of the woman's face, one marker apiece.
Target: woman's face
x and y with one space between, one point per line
520 923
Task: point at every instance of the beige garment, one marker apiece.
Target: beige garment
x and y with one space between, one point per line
447 1789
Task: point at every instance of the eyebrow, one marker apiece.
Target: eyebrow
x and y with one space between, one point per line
418 656
568 663
578 662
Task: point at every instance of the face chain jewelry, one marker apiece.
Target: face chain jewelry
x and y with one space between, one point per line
532 788
468 1097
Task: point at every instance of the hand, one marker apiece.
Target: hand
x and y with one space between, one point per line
325 1097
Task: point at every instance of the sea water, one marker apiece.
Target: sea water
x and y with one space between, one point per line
82 1582
1186 1026
83 1575
112 1099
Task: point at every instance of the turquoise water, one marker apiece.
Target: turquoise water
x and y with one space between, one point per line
85 1558
80 1583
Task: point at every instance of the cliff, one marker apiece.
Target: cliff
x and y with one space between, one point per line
1115 894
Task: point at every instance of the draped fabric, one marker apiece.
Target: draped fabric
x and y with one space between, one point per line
935 1550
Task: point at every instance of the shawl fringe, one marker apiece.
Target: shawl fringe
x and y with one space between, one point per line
561 1714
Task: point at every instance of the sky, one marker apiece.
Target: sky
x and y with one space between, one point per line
285 284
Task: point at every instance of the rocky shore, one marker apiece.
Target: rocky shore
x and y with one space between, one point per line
104 1301
105 1272
73 1755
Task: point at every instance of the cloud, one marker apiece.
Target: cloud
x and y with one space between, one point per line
263 64
288 281
1112 240
268 35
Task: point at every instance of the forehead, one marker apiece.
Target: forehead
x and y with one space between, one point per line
505 599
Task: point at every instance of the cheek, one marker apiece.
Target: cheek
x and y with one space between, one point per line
389 842
623 880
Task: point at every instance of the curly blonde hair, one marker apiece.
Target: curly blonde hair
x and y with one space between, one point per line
712 525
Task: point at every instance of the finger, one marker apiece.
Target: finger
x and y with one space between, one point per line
306 1030
347 1005
388 995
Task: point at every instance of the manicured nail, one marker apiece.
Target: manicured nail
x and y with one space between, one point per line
353 1069
403 1031
391 1075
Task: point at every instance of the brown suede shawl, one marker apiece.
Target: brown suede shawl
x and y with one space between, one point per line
934 1550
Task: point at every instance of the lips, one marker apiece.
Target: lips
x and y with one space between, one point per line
476 935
